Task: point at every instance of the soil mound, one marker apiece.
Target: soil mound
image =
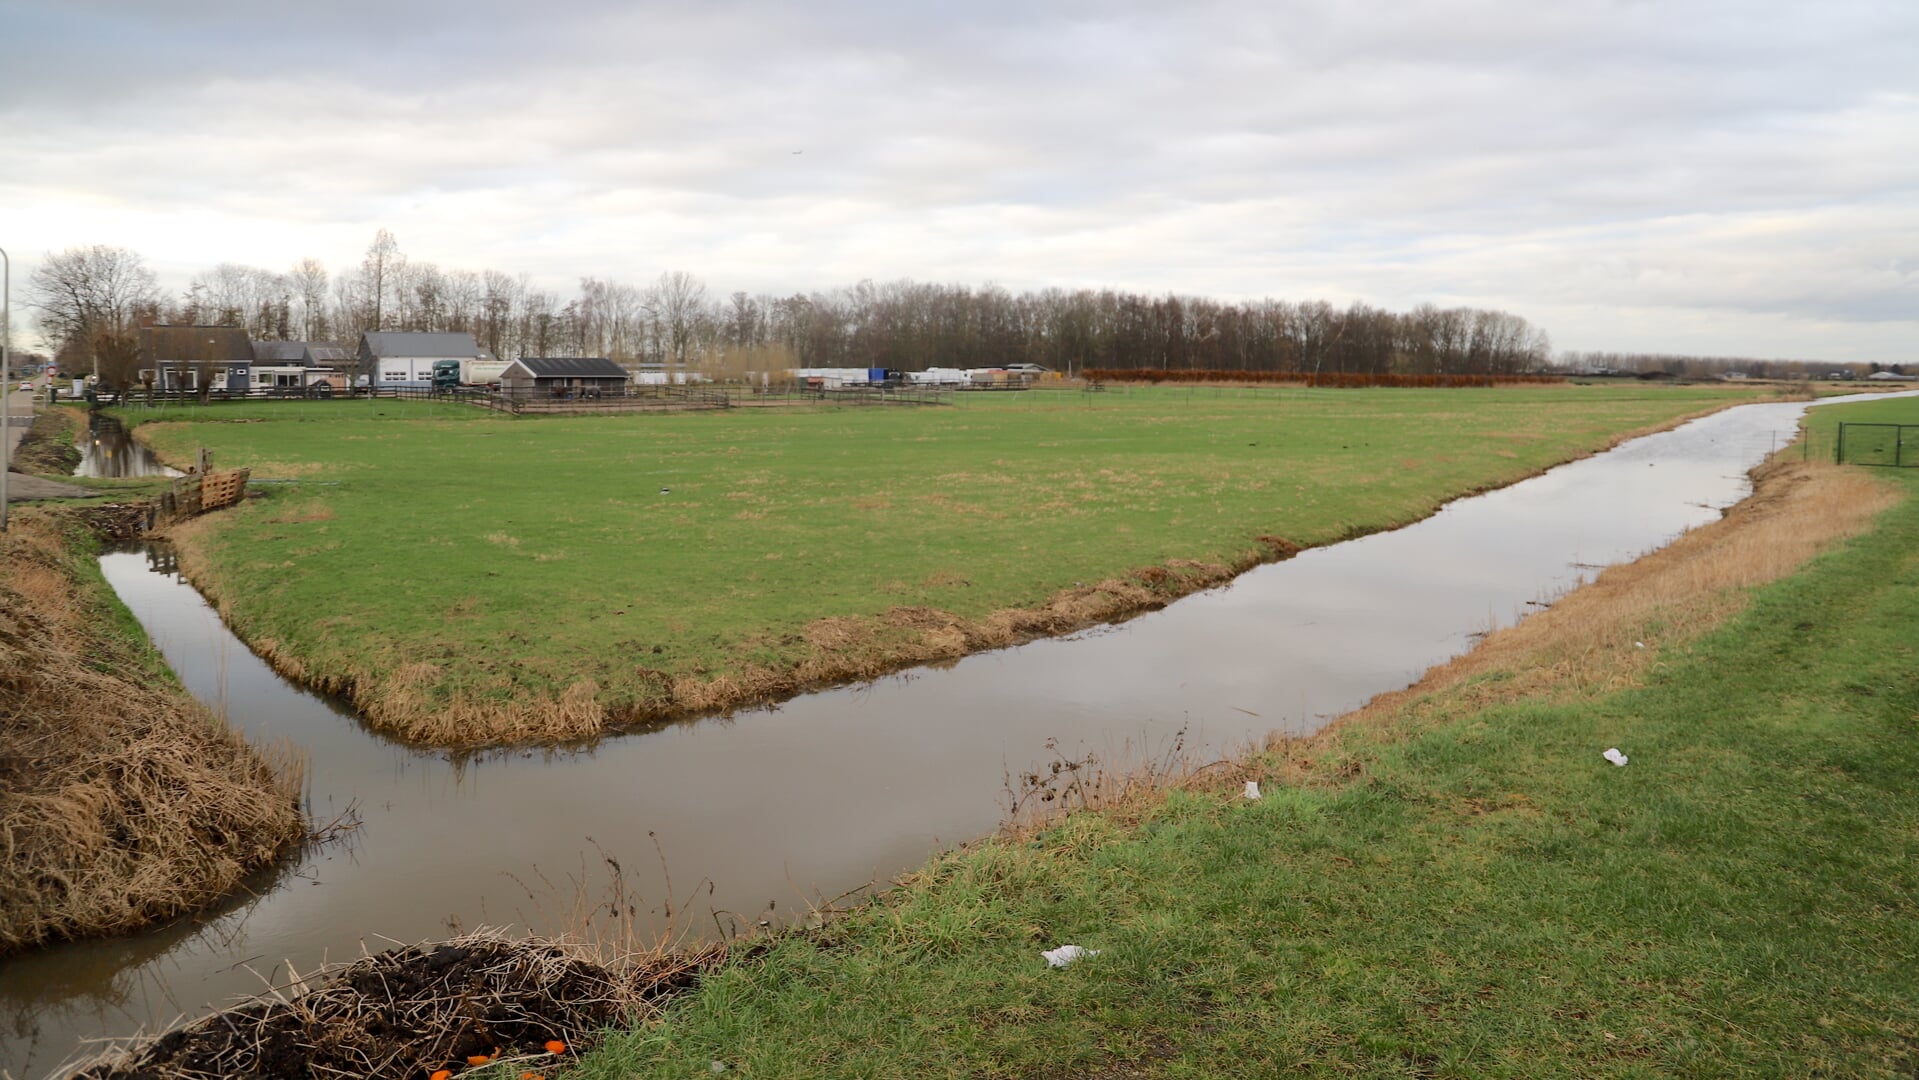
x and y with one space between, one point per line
414 1011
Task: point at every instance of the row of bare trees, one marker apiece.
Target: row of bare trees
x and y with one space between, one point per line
84 293
1706 367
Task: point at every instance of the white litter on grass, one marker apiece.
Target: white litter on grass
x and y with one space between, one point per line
718 1066
1638 644
1613 755
1252 789
1066 954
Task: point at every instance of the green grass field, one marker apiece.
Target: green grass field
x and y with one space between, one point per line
496 562
1482 897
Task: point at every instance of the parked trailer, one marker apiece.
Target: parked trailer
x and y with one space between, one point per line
448 374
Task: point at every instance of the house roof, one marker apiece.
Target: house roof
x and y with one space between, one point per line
195 345
443 346
570 367
330 352
279 352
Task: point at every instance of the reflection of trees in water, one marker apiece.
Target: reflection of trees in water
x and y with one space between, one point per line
109 451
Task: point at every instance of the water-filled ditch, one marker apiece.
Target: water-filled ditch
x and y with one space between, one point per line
109 450
774 807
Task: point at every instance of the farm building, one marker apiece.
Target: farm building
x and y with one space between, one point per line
390 358
195 357
289 365
563 376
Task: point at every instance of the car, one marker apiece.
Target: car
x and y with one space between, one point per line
26 386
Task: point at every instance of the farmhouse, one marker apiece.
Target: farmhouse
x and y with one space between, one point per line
195 357
406 359
291 365
563 377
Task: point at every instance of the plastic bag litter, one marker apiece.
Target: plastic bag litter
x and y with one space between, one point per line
1252 789
1066 954
1613 755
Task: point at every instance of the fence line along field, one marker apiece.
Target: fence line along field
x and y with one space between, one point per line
467 578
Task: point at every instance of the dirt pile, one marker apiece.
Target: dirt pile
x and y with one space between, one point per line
123 802
482 999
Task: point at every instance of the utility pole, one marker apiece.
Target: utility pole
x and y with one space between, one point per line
6 378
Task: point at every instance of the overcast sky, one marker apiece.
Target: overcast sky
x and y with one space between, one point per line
1737 178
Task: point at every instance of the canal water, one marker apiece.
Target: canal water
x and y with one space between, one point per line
757 814
109 450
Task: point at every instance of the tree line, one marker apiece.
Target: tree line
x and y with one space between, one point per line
1706 367
91 300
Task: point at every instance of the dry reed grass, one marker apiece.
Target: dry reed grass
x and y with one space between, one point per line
122 801
1334 379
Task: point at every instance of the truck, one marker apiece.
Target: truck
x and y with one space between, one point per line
453 374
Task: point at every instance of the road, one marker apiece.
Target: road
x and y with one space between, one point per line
19 416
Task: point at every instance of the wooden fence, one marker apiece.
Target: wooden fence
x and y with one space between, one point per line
198 493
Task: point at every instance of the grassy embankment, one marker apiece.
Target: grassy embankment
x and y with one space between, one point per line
47 448
1452 882
470 579
123 802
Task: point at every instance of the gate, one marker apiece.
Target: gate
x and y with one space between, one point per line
1895 445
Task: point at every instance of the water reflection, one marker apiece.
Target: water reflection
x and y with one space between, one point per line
108 450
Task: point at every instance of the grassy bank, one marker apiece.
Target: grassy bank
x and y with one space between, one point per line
47 448
123 802
1453 882
477 579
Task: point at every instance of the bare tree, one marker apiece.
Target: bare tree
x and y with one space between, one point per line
309 282
116 355
379 272
499 299
83 293
462 291
681 300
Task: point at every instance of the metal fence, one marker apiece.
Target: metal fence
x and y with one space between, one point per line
140 398
1893 445
596 400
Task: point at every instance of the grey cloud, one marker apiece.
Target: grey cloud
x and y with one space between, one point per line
1488 151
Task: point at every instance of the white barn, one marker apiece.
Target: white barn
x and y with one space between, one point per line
389 358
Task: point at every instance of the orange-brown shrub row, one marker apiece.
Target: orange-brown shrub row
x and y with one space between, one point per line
1332 379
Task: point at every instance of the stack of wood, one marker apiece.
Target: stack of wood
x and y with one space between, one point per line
203 490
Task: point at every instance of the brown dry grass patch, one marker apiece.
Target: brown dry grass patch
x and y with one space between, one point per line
122 801
303 514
